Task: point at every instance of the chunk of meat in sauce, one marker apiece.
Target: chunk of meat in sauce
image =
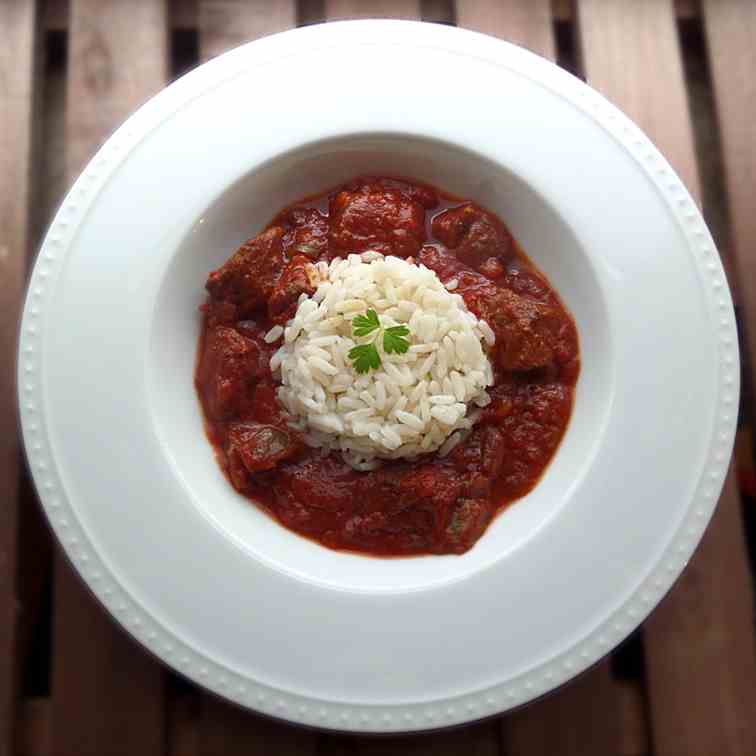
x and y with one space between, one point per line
306 232
294 280
248 278
530 334
253 448
481 453
265 407
468 521
532 418
477 237
425 195
228 365
322 483
376 218
431 488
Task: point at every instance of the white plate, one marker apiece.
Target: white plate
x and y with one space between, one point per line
277 623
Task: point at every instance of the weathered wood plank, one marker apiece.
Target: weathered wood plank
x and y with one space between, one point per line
118 58
731 40
107 693
477 740
228 730
524 22
699 643
17 81
701 666
35 728
581 719
438 11
336 9
634 733
224 24
183 14
183 713
618 42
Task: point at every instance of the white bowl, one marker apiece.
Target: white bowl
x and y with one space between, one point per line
220 590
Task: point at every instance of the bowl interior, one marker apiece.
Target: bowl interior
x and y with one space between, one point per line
240 212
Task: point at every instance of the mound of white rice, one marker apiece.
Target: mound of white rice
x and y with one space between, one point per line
423 400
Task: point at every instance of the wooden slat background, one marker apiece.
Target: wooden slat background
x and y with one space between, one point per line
73 683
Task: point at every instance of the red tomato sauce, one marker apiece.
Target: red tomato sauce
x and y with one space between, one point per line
431 505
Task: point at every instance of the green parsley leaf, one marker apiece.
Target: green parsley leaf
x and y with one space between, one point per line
364 325
364 357
394 341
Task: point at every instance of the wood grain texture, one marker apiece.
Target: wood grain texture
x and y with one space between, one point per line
476 740
224 24
118 59
107 693
701 663
35 728
183 712
699 643
620 42
228 730
634 736
525 22
438 11
17 79
336 9
730 27
580 719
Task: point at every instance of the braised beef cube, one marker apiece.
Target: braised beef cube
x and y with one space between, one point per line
292 512
431 490
265 407
253 448
469 519
527 283
425 195
247 280
322 483
306 233
477 486
379 490
376 218
444 264
295 280
492 268
219 313
480 454
428 484
365 526
474 235
228 365
528 333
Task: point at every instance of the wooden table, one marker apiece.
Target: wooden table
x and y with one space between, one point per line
71 683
